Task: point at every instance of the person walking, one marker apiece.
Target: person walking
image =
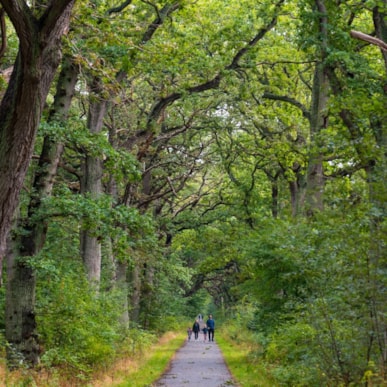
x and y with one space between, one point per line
189 333
196 329
211 328
205 330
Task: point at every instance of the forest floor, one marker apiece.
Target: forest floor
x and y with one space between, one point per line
197 362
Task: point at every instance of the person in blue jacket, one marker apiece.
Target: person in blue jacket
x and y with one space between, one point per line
211 328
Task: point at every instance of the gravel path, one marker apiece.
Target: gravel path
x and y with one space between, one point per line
197 363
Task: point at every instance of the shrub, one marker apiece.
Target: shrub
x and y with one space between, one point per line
78 327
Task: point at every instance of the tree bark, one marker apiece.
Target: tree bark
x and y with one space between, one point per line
21 107
315 172
20 296
318 121
91 184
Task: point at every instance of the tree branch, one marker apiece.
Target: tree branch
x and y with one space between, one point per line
22 19
292 101
261 33
161 16
3 33
369 39
119 8
55 11
214 82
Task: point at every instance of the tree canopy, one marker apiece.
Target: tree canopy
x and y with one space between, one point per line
164 158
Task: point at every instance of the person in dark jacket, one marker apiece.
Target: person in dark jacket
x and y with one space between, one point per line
211 327
196 329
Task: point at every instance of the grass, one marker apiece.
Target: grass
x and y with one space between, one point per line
140 370
247 372
143 371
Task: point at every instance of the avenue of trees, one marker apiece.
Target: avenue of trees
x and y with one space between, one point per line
162 156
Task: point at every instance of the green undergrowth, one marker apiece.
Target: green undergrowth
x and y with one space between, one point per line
139 368
239 349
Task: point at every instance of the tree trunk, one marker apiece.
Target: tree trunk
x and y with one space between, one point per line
136 282
297 190
318 121
21 108
91 184
20 326
148 293
119 268
122 284
20 296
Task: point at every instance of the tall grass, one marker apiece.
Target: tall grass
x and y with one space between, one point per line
239 348
131 370
146 369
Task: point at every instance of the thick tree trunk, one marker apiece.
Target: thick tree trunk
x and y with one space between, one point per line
23 348
91 185
49 159
21 107
318 121
297 189
20 112
20 305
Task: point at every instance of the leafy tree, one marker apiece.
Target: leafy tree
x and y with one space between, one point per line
39 30
39 34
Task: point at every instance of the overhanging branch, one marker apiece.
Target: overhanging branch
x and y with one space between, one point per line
214 83
369 39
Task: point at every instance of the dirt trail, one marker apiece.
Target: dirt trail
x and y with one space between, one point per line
197 363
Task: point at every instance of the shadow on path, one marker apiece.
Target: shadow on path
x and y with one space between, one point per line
197 363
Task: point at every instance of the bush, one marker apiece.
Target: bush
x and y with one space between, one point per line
78 327
290 356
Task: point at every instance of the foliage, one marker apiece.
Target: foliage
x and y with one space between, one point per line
312 298
80 329
208 149
240 347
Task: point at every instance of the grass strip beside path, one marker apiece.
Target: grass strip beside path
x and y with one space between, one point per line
246 372
146 369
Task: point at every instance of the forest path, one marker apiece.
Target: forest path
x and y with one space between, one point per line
196 363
